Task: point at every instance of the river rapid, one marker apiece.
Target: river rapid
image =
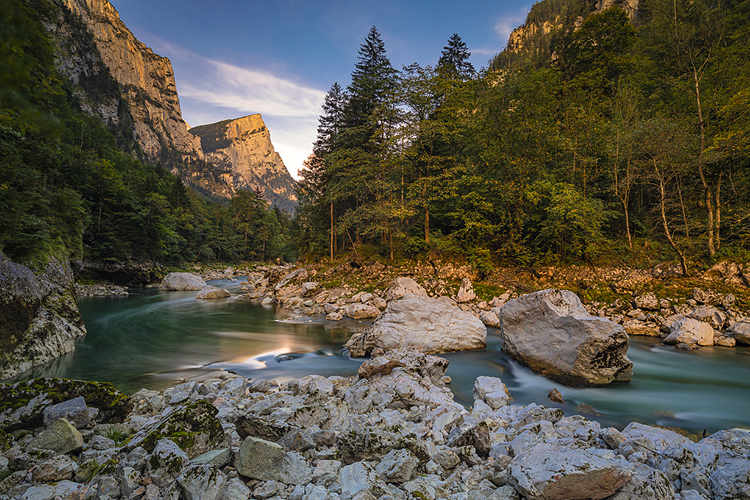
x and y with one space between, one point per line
151 339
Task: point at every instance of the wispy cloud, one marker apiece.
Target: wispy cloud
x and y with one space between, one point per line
251 91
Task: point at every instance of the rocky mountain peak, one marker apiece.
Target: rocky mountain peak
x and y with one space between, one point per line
243 150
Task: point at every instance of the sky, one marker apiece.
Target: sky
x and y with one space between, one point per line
233 58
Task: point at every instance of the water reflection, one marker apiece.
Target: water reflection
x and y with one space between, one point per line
152 339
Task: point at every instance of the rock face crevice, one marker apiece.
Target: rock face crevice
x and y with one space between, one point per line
39 316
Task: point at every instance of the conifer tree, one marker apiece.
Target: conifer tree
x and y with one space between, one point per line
454 59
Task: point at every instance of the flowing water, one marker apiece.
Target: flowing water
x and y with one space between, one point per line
152 339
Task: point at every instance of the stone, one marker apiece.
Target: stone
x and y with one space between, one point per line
299 274
642 328
297 440
490 318
380 365
201 482
334 316
724 341
731 479
361 477
465 292
380 303
646 484
295 469
447 459
398 466
551 472
402 286
129 480
710 315
492 391
647 301
212 292
741 332
691 332
362 311
555 396
73 410
430 325
166 462
236 490
179 393
59 468
309 287
216 458
193 427
182 282
259 459
551 332
61 489
61 437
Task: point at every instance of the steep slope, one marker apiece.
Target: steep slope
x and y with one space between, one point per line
530 43
242 149
132 90
146 79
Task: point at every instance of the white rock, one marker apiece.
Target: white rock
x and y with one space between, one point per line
430 325
492 391
403 286
552 472
465 292
551 332
182 282
691 332
362 311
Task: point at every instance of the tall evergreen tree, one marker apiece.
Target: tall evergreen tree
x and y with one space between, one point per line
454 59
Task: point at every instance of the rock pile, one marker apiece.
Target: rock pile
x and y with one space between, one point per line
392 432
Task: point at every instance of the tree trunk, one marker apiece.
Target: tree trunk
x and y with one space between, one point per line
706 187
333 237
427 225
717 213
667 233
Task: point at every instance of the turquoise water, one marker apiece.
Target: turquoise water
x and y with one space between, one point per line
153 339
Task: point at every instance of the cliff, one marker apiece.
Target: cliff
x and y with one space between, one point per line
146 80
133 91
243 151
531 42
39 316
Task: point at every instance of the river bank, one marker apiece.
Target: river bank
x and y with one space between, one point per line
392 431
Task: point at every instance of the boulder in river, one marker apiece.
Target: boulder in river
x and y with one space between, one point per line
182 282
212 292
430 325
551 332
691 332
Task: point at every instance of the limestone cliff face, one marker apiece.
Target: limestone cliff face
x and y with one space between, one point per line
532 37
147 81
243 151
39 316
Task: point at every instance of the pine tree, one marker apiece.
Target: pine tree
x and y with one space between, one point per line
331 121
454 59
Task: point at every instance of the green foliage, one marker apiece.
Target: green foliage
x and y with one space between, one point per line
67 187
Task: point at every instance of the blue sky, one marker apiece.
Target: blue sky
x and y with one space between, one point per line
280 57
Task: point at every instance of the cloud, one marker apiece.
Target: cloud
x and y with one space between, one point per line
251 91
212 91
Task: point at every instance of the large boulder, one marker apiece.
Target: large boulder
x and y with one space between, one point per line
430 325
691 332
39 316
182 282
552 472
741 332
402 286
551 332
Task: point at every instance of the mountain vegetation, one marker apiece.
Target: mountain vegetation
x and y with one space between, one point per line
69 188
605 135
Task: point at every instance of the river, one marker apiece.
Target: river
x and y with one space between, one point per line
151 339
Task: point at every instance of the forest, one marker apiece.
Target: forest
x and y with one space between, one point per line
595 140
70 188
599 141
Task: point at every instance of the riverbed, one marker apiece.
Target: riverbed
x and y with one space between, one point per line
152 339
